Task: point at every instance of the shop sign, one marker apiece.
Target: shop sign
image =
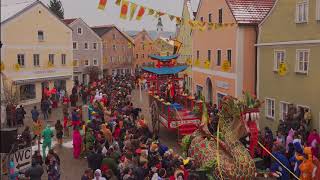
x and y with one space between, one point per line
223 85
44 71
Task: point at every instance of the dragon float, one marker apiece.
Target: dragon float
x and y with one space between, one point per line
222 154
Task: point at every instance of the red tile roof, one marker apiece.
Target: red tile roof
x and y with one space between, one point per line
69 21
250 11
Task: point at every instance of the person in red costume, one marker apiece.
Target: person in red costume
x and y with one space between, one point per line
251 126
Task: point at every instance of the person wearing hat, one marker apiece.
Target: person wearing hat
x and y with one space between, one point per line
47 135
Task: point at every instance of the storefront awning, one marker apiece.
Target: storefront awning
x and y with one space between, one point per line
33 80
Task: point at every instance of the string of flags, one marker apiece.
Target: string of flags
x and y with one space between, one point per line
226 66
194 24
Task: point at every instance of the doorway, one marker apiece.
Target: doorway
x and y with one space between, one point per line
208 90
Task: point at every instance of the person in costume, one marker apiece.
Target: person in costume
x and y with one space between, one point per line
47 135
307 167
277 169
77 141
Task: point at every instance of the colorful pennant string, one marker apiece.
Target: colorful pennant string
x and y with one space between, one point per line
102 4
133 8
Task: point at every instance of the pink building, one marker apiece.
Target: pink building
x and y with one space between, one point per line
231 40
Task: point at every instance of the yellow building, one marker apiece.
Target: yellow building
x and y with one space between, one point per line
36 50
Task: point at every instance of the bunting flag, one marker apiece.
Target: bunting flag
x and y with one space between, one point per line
207 64
118 2
225 66
151 12
197 62
102 4
158 14
140 13
124 9
193 24
129 45
133 8
202 26
17 67
210 26
50 65
188 61
1 67
171 17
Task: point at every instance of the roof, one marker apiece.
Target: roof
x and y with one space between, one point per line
163 58
165 70
8 11
69 21
250 11
101 30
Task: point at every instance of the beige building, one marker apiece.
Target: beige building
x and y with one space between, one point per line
36 51
289 37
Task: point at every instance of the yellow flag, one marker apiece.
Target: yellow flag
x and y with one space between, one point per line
197 62
17 67
50 65
2 66
133 8
178 20
202 26
207 64
226 65
150 12
105 61
282 69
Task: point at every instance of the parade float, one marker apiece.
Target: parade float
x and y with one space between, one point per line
169 104
222 155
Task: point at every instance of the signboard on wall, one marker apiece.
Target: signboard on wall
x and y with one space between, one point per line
22 159
223 85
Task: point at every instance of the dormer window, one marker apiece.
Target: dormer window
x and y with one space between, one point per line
79 30
40 36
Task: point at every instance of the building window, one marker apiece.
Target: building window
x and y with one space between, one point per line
229 56
220 97
209 55
142 46
142 56
95 62
79 30
279 56
218 57
86 46
63 59
220 16
302 10
75 45
86 62
210 18
201 19
113 36
270 108
198 54
36 60
284 107
94 45
27 92
20 58
302 65
51 58
199 90
40 36
114 47
111 59
137 56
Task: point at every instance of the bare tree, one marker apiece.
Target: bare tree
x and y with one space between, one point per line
10 95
